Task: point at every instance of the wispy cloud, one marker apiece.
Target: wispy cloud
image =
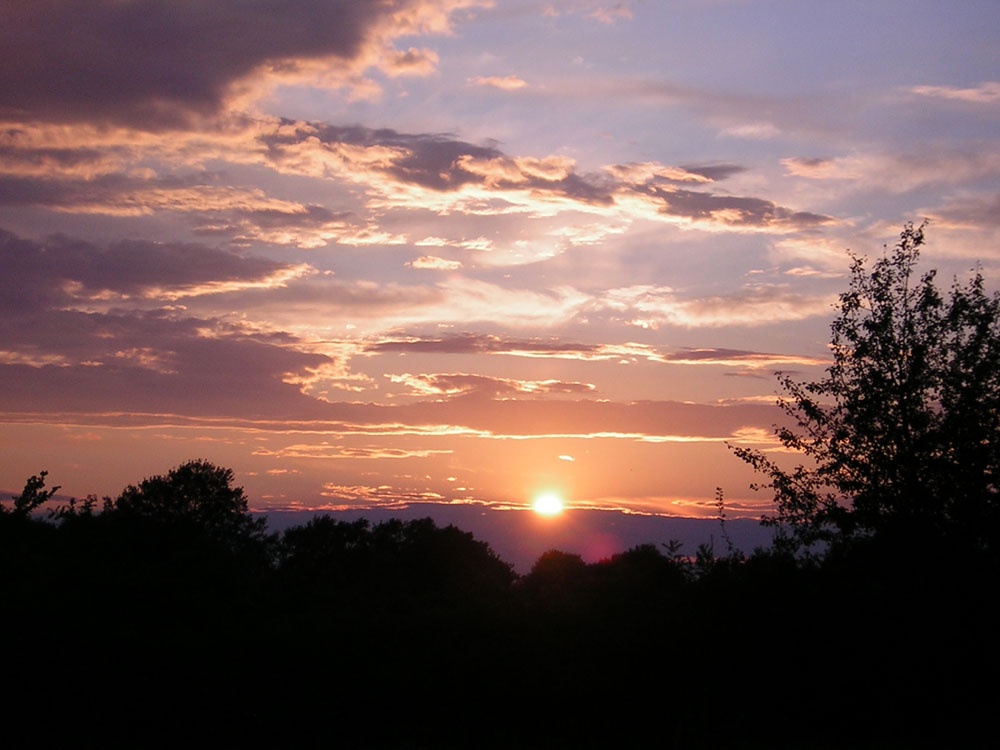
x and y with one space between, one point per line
985 93
433 263
611 14
505 83
901 172
460 384
325 450
648 306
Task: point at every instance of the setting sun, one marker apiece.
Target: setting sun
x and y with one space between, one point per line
548 504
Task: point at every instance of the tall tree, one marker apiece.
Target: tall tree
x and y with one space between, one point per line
902 435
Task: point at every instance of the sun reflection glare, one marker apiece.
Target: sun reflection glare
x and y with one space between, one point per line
548 504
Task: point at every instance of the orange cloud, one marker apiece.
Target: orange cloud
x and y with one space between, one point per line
431 262
328 451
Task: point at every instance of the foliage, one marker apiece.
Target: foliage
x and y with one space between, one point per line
902 435
196 492
415 557
32 497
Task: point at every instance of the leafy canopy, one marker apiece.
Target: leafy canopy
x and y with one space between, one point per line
196 492
902 436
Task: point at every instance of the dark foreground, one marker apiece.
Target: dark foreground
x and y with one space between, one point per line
129 625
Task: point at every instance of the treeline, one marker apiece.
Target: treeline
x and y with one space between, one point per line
171 610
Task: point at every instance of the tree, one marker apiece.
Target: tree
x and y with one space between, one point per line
196 492
32 497
902 436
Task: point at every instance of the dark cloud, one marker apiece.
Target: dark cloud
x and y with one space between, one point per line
439 161
434 161
473 343
151 63
972 212
712 355
36 275
736 211
443 163
215 209
809 161
17 159
233 377
110 191
756 374
60 359
714 172
430 159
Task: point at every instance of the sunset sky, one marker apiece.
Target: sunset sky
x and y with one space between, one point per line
372 254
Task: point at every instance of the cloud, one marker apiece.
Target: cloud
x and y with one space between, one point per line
506 83
649 306
150 363
476 243
385 496
714 172
755 131
412 62
41 161
154 64
326 450
444 175
739 358
112 399
472 343
640 173
433 263
902 172
725 212
460 384
241 214
612 14
968 212
322 303
985 93
829 253
393 171
63 271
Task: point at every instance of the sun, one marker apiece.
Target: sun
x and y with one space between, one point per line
548 504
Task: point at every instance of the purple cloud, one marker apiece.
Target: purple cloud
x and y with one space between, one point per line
152 64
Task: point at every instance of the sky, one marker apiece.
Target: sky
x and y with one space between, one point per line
378 256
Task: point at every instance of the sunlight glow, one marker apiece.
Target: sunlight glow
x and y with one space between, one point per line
548 504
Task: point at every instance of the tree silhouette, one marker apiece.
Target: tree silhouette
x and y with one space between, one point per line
32 497
902 436
198 493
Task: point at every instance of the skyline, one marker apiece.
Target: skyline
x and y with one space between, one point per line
460 252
